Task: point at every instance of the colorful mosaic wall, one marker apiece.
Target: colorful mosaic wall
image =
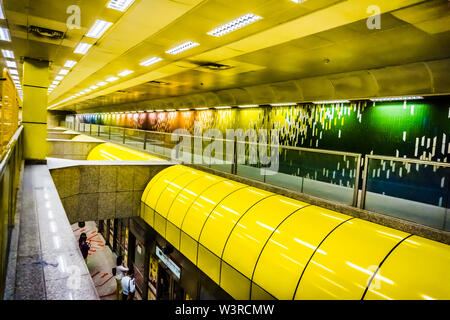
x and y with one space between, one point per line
418 129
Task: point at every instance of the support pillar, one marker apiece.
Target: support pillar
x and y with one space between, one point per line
34 113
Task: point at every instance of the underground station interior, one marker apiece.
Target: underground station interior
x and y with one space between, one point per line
225 150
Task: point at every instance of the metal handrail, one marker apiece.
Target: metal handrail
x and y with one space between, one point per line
389 158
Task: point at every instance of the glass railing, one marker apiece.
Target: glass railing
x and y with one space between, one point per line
409 189
330 175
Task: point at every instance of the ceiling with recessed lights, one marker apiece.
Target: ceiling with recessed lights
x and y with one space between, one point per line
127 51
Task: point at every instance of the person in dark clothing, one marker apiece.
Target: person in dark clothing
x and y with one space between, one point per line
84 246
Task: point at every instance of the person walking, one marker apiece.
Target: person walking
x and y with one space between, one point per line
84 246
128 286
120 271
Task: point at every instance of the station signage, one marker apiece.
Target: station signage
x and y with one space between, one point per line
176 270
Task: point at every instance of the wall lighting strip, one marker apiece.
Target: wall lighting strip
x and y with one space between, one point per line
4 34
397 98
249 106
70 63
283 104
150 61
98 29
182 47
331 101
8 54
125 73
234 25
82 48
120 5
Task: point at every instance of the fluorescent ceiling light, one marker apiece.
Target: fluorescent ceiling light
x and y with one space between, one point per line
13 71
52 86
11 64
298 1
93 87
4 34
283 104
397 98
98 29
8 54
63 71
184 109
249 106
2 15
201 108
170 110
102 83
112 79
120 5
15 77
159 110
150 61
224 107
331 101
55 82
59 78
88 90
70 63
125 73
235 25
82 48
182 47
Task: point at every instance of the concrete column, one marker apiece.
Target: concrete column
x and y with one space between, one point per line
34 113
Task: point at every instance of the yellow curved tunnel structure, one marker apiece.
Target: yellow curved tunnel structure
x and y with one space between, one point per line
259 245
113 152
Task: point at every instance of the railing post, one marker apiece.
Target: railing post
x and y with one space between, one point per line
90 129
98 131
123 135
356 187
364 185
235 158
109 133
145 140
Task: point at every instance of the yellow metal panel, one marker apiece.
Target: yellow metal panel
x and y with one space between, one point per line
222 220
173 234
253 230
160 224
82 137
113 152
35 143
161 184
188 195
172 189
343 265
188 247
290 248
417 269
202 207
234 283
210 263
154 180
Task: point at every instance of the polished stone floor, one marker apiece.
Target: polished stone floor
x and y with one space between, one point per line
45 263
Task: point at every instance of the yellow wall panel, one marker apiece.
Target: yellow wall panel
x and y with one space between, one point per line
253 230
224 217
290 248
343 265
202 207
417 269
